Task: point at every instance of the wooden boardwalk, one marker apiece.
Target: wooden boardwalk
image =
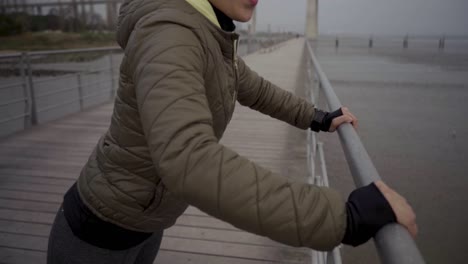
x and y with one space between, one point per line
38 165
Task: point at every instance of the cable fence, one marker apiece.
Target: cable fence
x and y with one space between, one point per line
37 87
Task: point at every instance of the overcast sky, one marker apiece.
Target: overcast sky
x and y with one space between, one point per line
378 17
386 17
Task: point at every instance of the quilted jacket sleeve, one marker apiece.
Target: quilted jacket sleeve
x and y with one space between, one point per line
168 64
261 95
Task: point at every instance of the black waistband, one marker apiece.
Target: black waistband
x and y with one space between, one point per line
91 229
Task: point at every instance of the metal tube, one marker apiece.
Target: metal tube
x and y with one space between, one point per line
323 164
32 98
111 70
80 91
334 256
12 85
10 56
13 102
57 52
24 84
393 242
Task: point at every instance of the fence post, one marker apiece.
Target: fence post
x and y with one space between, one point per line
337 43
80 91
27 97
249 38
371 41
442 43
111 71
405 42
32 97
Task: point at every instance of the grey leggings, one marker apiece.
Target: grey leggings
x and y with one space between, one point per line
65 248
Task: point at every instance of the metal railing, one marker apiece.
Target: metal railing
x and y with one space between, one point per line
53 84
36 87
394 243
440 43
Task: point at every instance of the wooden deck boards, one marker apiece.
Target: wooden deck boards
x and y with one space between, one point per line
38 165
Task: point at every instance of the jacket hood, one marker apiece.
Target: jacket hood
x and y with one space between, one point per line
131 11
176 11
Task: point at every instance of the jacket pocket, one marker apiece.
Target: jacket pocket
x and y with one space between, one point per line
157 198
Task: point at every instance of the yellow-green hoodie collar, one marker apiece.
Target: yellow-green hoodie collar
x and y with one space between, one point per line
205 8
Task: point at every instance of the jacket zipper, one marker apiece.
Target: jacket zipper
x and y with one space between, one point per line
234 60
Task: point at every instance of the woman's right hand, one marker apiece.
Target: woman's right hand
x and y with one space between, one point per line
403 211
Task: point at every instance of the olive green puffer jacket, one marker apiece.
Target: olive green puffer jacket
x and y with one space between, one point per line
179 81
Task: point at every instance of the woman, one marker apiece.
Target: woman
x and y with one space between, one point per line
179 81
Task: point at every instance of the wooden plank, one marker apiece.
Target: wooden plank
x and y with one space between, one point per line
25 144
40 188
21 256
25 216
32 206
22 228
194 211
31 196
38 152
59 140
232 250
49 173
22 162
27 242
179 257
5 178
200 233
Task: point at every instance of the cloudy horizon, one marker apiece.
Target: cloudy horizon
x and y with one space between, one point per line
365 17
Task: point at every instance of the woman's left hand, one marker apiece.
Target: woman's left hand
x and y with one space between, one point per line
347 117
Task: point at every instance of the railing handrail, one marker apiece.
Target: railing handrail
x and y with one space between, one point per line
101 49
59 52
395 36
394 243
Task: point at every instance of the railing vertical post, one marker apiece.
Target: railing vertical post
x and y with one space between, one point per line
27 97
337 43
405 42
371 42
318 86
111 71
80 91
442 43
249 43
334 256
32 97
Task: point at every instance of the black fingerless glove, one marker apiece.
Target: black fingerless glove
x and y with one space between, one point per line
367 211
322 120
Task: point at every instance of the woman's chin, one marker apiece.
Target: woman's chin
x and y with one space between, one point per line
244 18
